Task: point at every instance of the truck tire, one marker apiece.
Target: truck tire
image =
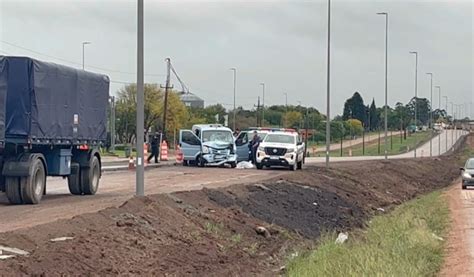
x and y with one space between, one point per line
233 164
74 180
90 177
293 166
33 186
299 165
12 189
258 165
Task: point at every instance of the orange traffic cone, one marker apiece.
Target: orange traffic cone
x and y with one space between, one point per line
179 155
164 151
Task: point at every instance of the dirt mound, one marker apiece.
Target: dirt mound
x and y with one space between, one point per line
213 232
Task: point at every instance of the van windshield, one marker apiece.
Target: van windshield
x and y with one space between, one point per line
217 136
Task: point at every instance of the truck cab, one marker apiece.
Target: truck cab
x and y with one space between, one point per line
245 136
208 145
284 149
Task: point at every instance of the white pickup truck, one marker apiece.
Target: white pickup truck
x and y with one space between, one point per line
281 149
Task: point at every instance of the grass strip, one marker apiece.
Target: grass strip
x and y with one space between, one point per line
405 242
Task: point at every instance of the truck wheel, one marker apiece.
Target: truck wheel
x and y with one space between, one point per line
12 189
293 166
233 164
90 177
201 162
464 186
258 165
33 186
185 163
74 180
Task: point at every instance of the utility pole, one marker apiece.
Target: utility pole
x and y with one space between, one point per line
328 87
166 87
446 128
258 112
431 113
235 77
386 81
454 119
140 171
416 97
112 123
439 115
263 104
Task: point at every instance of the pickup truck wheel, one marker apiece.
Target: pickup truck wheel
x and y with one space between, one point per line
33 186
464 187
299 165
90 177
74 180
293 166
12 189
258 165
233 164
185 163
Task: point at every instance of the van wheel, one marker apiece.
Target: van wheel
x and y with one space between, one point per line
74 180
233 164
200 161
90 177
12 189
33 186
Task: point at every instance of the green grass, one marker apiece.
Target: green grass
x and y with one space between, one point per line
395 146
397 244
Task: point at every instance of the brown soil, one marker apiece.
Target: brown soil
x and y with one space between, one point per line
211 232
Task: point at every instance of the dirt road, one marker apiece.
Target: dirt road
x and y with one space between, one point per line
460 244
117 187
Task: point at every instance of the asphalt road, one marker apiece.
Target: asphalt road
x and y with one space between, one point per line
422 151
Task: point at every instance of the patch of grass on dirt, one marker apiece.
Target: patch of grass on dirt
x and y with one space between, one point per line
214 228
405 242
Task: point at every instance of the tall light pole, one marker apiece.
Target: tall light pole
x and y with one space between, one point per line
447 117
83 58
439 114
140 177
416 96
453 120
431 113
235 78
328 88
386 80
263 102
286 108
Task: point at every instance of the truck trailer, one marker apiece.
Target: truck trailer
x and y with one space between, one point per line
52 123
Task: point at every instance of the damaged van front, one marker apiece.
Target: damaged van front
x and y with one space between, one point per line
208 145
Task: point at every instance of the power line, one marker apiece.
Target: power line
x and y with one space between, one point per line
75 63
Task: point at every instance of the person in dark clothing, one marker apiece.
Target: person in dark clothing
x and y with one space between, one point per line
155 148
253 146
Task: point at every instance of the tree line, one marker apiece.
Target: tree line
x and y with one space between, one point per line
357 117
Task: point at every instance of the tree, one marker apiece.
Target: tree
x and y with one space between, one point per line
423 110
126 111
354 108
292 119
374 117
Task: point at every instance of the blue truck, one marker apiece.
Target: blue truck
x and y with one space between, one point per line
52 123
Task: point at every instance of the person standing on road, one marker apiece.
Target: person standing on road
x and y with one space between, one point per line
155 147
253 146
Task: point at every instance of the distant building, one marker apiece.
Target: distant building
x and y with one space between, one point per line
191 100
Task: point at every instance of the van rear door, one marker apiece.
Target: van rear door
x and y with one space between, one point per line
190 144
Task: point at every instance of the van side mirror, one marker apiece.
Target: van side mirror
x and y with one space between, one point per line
299 143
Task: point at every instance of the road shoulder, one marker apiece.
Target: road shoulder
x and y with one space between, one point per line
460 242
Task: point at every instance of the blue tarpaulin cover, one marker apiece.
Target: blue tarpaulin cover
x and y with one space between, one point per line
47 101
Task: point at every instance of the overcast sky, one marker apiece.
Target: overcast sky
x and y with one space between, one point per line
280 43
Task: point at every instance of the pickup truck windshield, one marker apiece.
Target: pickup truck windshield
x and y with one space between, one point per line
217 136
470 164
279 138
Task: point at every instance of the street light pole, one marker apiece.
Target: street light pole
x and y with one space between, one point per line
263 103
431 113
439 114
416 96
235 78
386 80
454 119
446 130
83 56
328 87
140 177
